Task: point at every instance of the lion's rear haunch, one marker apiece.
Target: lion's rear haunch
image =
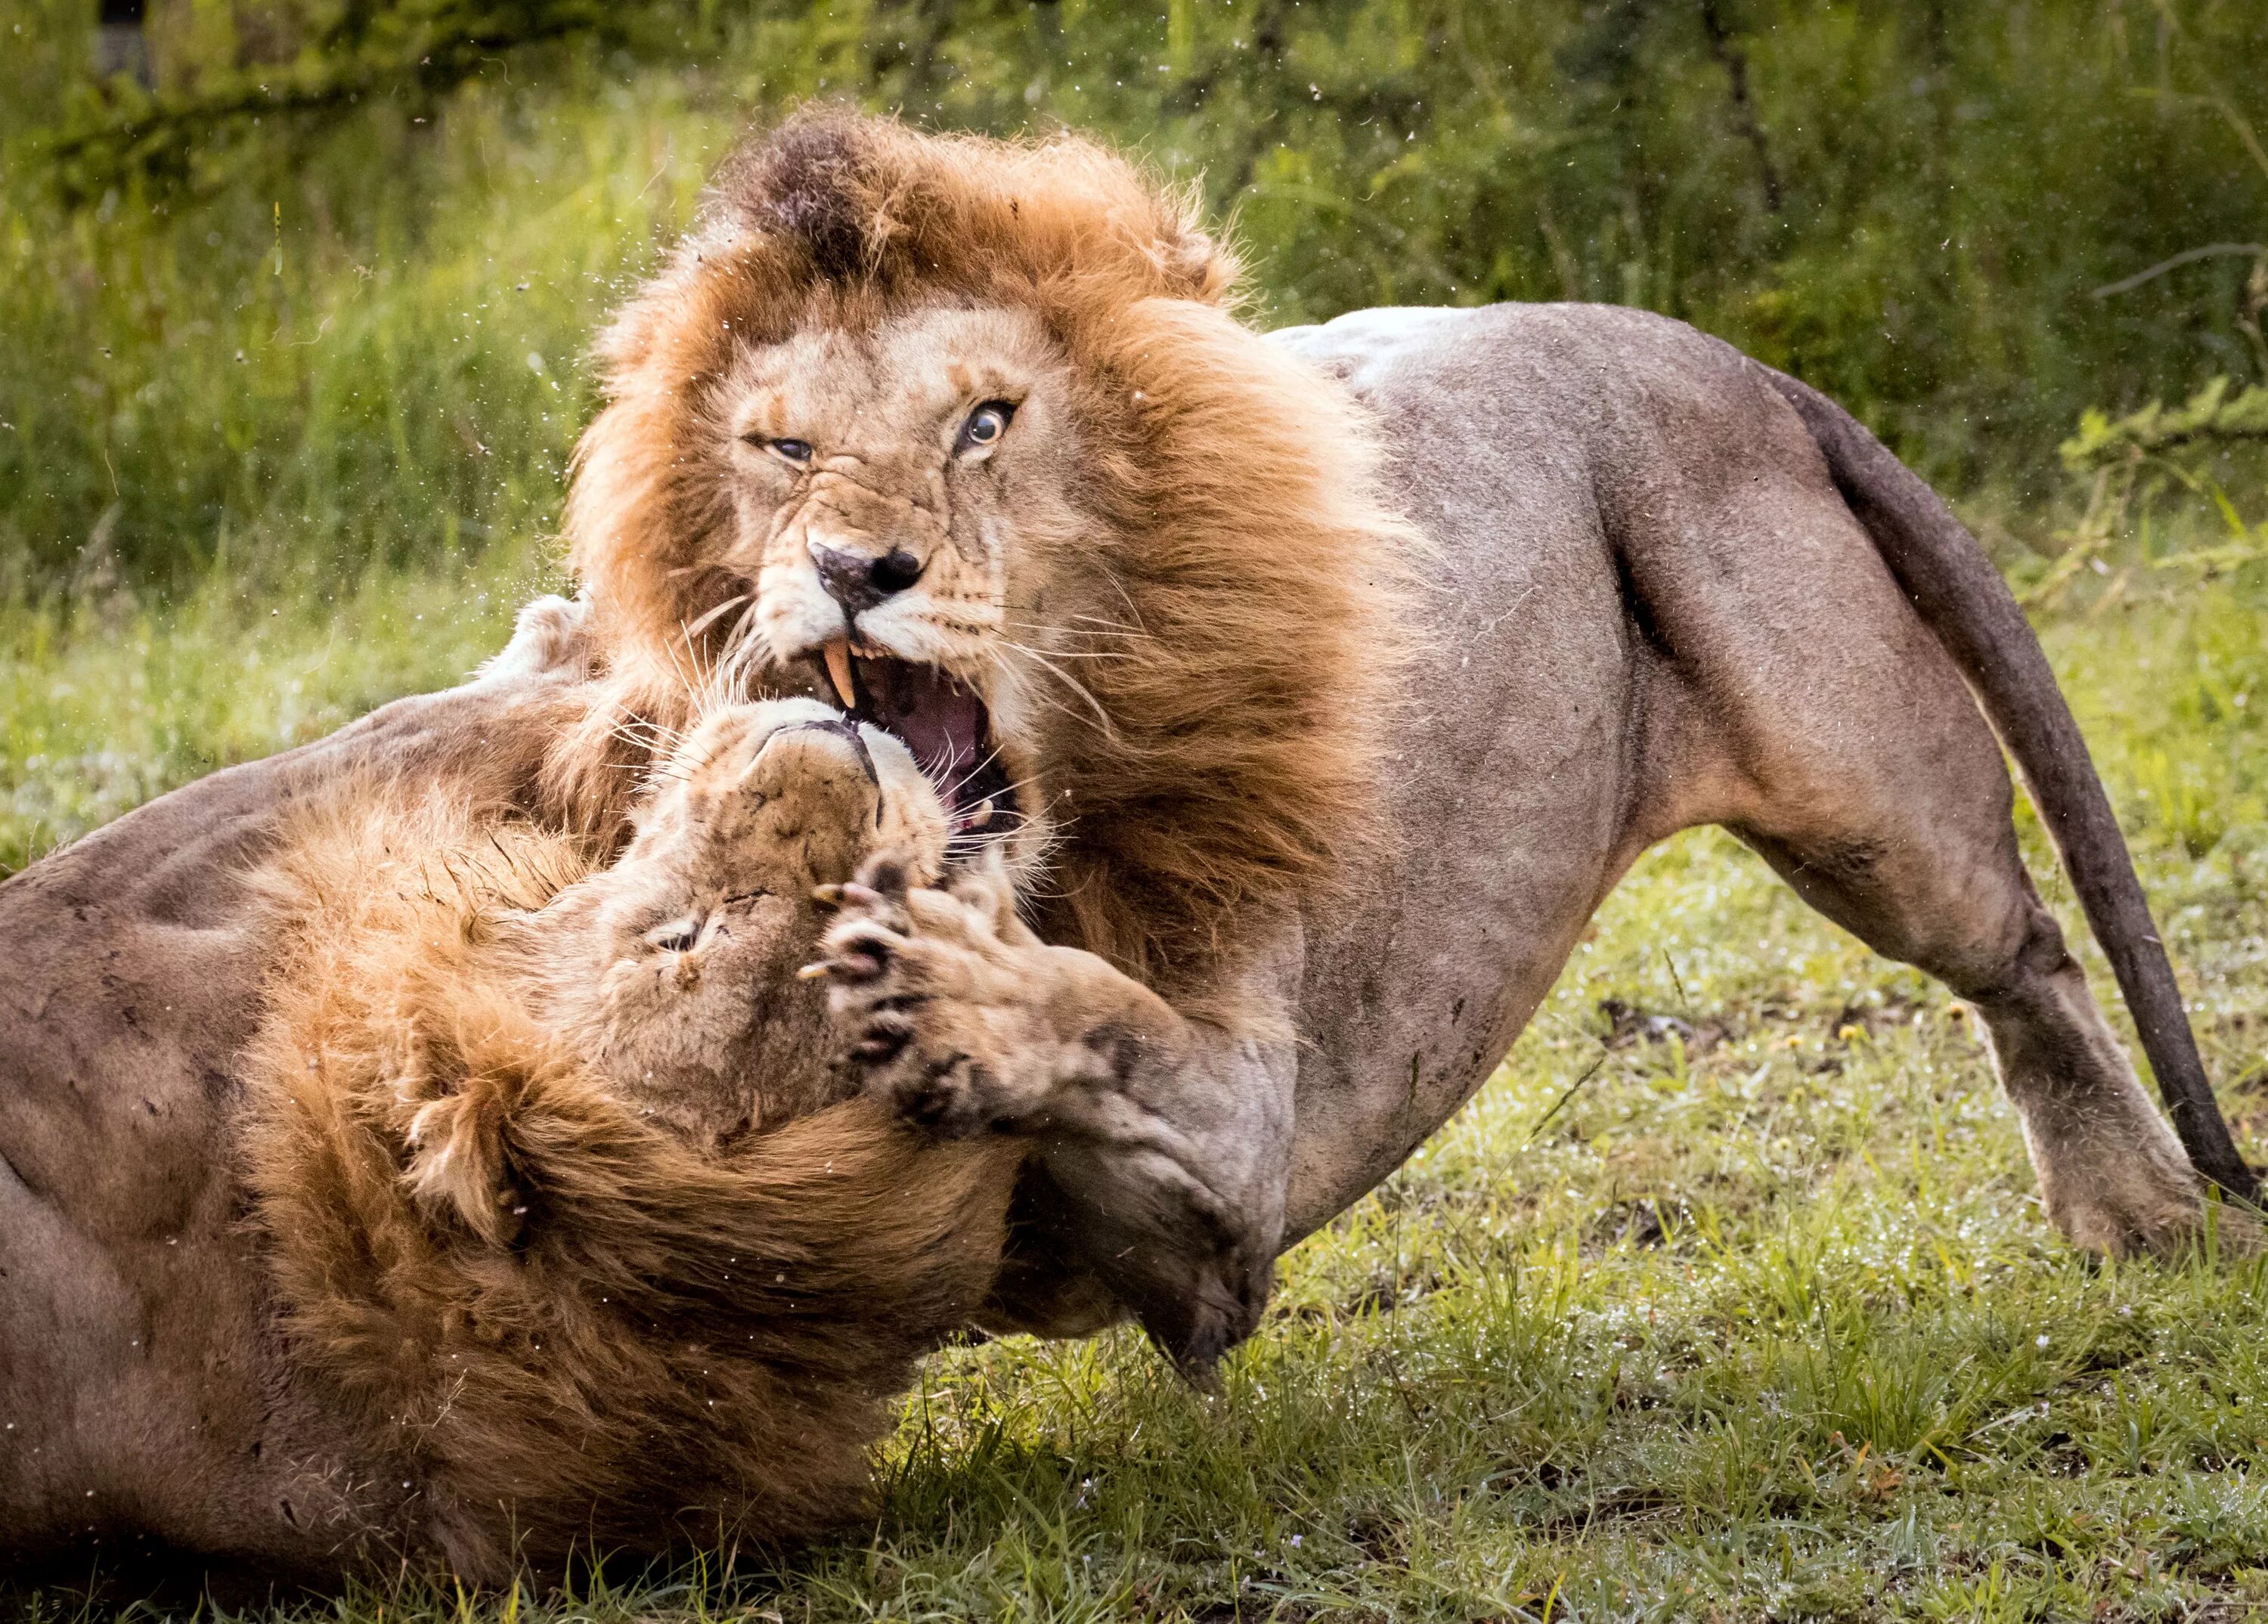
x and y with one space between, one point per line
546 1325
1965 603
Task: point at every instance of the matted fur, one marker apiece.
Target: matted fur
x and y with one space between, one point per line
554 1326
1233 539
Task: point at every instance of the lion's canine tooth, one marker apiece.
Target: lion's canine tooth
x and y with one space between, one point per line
839 671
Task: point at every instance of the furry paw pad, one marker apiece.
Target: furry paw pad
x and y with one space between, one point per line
932 1011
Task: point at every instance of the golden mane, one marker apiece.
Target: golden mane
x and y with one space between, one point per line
1238 544
553 1325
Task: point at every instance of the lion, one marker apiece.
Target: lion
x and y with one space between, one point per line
571 1237
1320 685
1311 689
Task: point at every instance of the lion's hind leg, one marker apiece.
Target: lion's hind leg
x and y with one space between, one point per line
2112 1173
1799 701
1876 788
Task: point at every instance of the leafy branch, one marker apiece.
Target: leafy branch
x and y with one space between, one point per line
2132 463
2211 415
415 50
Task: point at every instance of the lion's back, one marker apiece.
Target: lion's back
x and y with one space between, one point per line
1517 393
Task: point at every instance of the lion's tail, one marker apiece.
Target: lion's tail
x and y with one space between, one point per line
1965 603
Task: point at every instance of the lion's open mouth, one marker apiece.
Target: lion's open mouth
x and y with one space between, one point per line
942 721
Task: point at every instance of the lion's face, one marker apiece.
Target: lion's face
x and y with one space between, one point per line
881 486
676 967
965 435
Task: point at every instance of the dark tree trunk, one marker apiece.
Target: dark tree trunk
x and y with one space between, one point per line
120 46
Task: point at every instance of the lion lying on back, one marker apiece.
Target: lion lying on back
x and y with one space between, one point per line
567 1214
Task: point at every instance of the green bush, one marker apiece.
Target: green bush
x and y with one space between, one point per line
298 328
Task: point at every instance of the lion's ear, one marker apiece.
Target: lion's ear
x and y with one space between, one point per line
1196 263
460 1163
458 1063
1204 269
551 636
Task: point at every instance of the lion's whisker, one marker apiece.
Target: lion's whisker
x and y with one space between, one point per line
1067 680
740 651
711 617
693 681
1101 629
1070 653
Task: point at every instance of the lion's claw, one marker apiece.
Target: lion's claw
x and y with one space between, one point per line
865 957
964 1023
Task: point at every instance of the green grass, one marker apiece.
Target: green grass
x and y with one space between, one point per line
1764 1325
106 702
377 359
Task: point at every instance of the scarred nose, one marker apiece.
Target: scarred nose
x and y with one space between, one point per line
859 580
842 730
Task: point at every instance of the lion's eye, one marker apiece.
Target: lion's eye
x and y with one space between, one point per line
985 426
795 451
679 935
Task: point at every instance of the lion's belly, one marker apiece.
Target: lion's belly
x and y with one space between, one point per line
1508 801
1512 791
140 1400
144 1405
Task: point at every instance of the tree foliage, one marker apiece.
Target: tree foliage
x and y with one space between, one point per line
318 64
1911 204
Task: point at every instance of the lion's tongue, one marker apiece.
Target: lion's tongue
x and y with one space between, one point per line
941 723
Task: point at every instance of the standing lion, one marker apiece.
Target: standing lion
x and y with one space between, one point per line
1313 689
1321 685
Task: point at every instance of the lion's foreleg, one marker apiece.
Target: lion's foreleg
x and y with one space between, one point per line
1168 1138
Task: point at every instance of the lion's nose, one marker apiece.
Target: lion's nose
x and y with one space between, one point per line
858 581
839 728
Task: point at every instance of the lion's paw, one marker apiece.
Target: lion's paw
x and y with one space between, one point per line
932 990
550 637
952 1011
